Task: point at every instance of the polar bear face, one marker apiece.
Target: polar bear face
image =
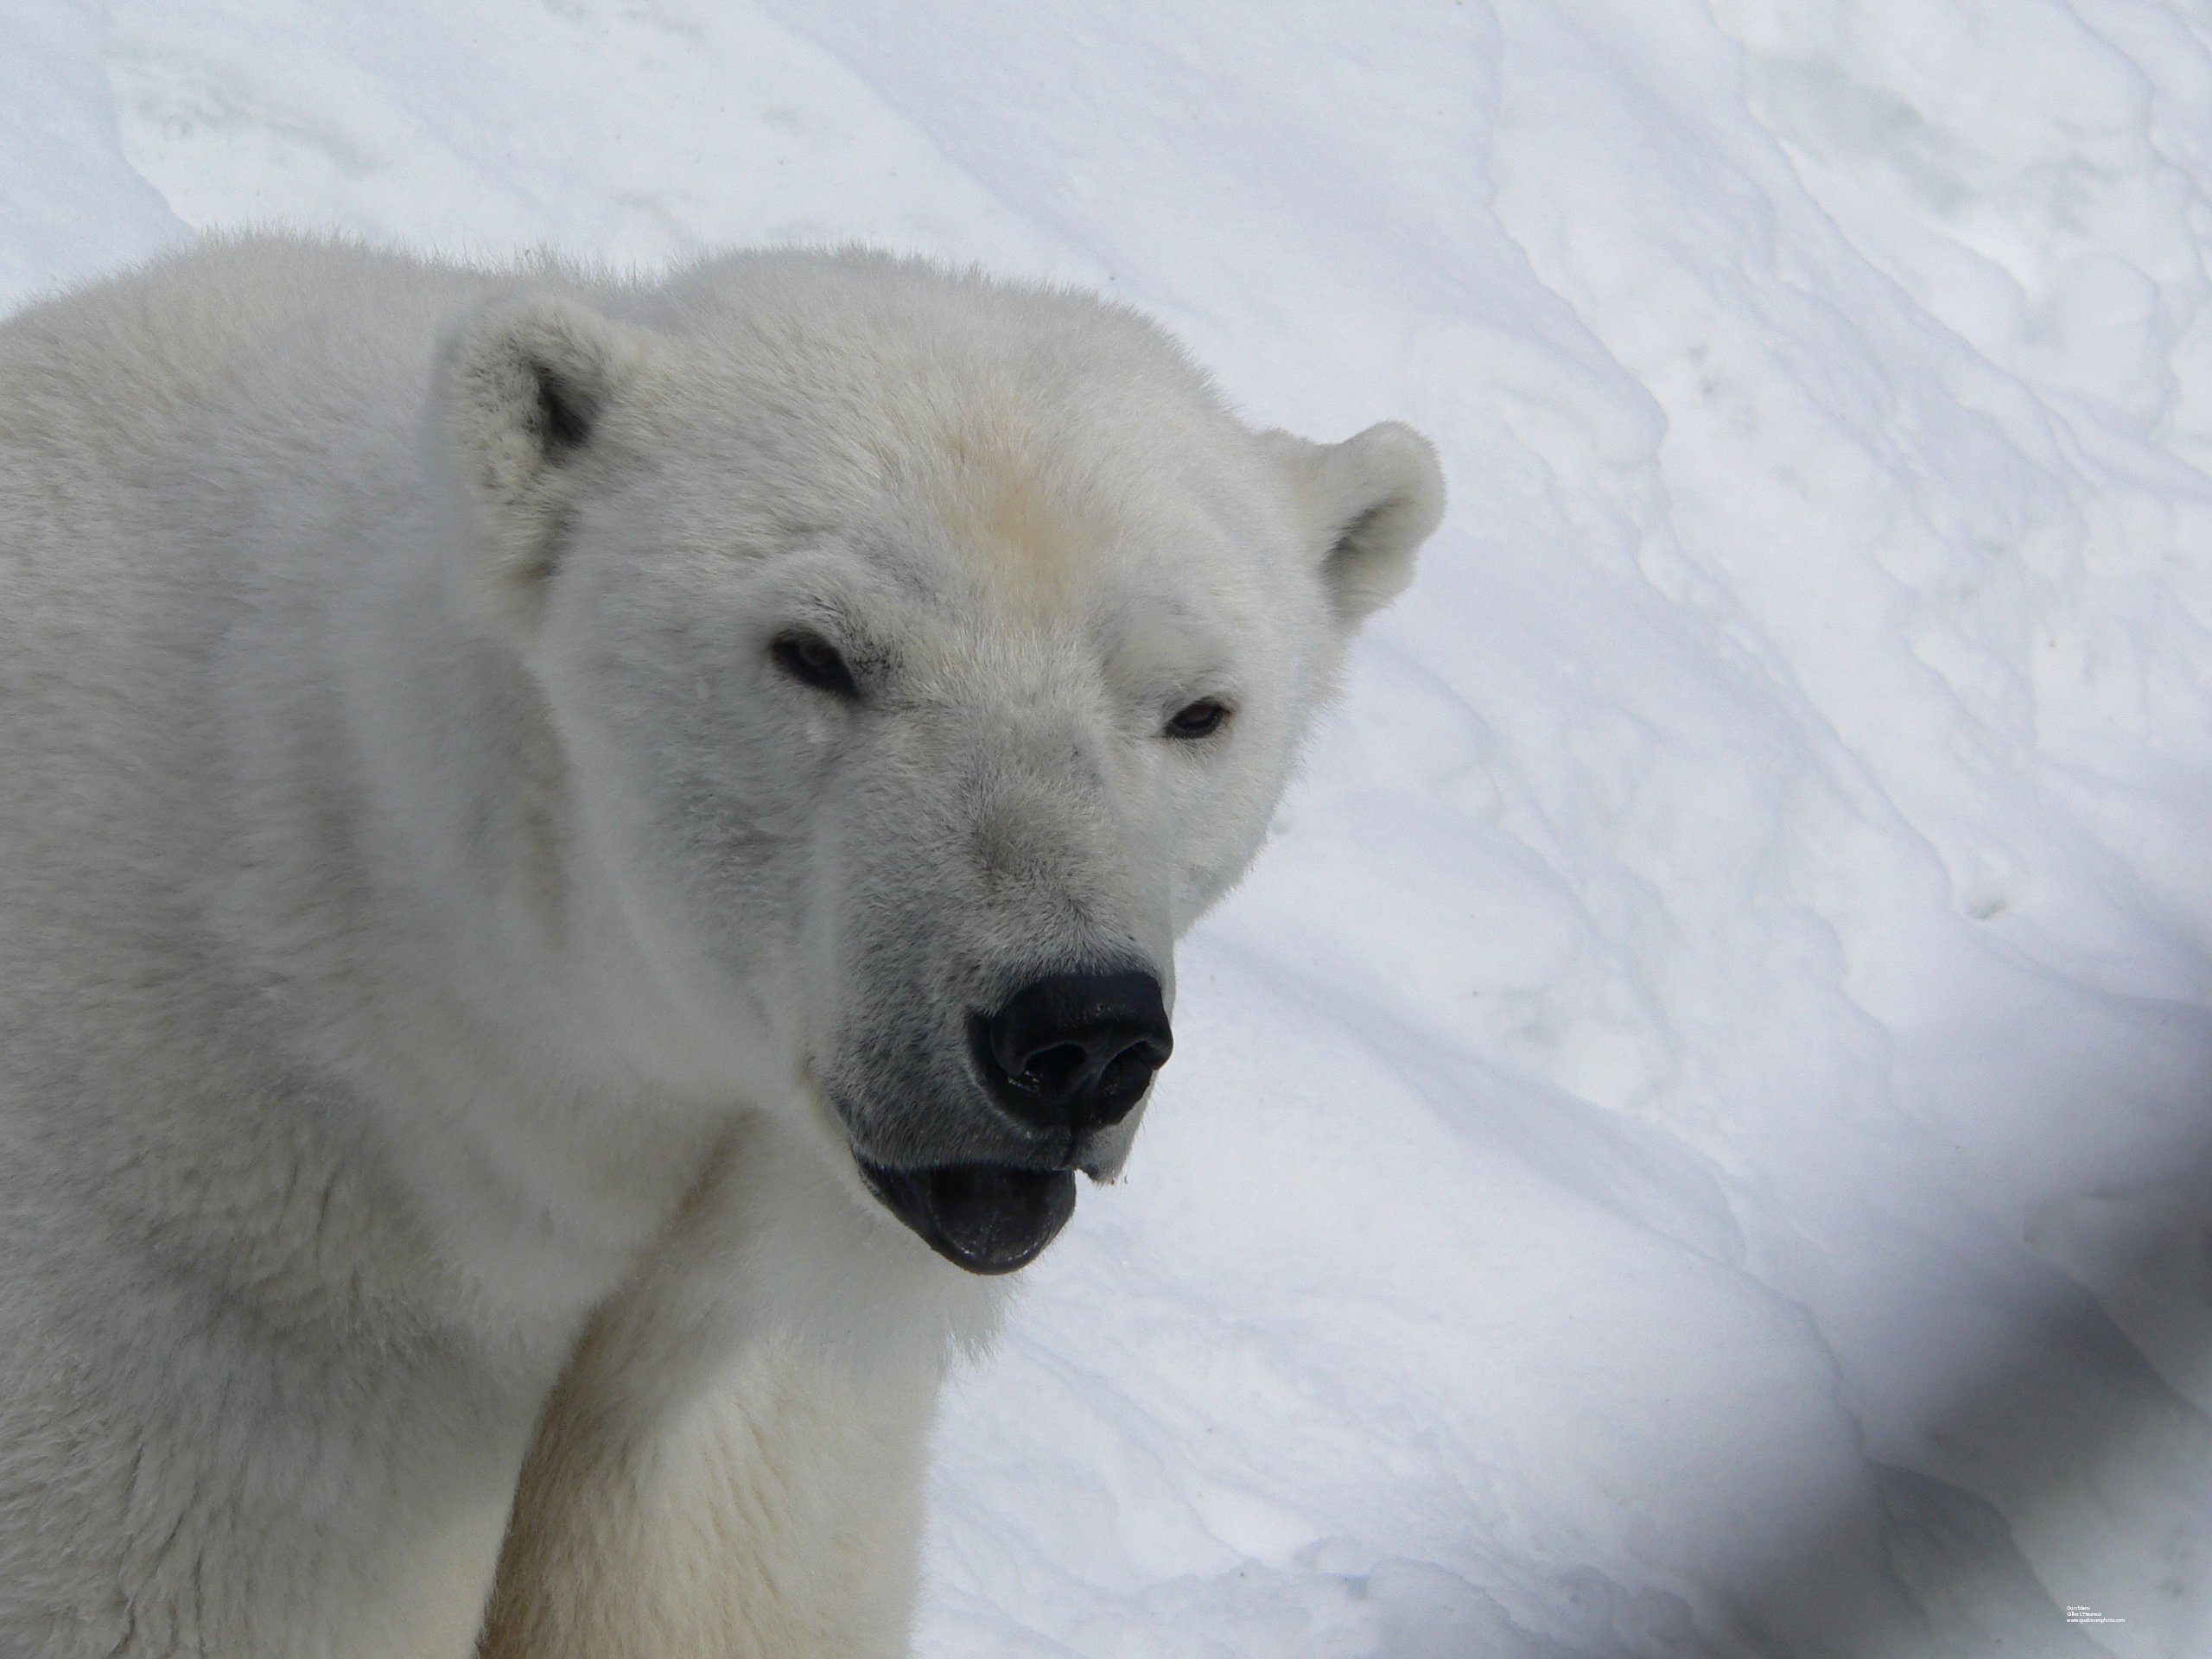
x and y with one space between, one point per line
923 656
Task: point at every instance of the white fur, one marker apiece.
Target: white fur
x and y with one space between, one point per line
446 967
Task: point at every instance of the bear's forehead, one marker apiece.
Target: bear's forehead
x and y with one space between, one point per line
1000 500
1017 522
1027 451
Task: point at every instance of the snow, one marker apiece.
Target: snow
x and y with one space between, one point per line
1694 1139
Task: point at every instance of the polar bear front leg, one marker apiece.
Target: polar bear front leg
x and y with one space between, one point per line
778 1515
732 1466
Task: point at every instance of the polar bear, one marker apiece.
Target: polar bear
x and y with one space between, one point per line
583 866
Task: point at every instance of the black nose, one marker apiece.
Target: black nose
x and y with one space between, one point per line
1074 1051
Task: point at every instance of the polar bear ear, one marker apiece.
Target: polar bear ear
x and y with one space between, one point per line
524 387
1370 502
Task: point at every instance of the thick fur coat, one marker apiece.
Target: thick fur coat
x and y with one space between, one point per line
522 795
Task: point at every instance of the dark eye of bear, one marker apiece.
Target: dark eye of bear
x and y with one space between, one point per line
812 660
1202 718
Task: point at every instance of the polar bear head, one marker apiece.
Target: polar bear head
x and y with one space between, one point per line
923 655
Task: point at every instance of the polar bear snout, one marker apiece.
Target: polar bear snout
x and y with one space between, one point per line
1066 1061
1073 1054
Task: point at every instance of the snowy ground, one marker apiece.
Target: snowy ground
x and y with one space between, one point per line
1698 1138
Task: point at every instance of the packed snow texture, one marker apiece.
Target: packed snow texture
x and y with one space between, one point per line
1697 1138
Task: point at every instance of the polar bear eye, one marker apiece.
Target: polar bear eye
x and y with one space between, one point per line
1202 718
812 660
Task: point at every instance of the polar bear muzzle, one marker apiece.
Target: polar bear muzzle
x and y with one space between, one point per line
1066 1057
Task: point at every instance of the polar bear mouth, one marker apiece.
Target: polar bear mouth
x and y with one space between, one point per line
986 1218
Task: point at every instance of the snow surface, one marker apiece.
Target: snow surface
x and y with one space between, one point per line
1695 1139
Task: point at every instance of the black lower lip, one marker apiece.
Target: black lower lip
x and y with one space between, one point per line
986 1218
